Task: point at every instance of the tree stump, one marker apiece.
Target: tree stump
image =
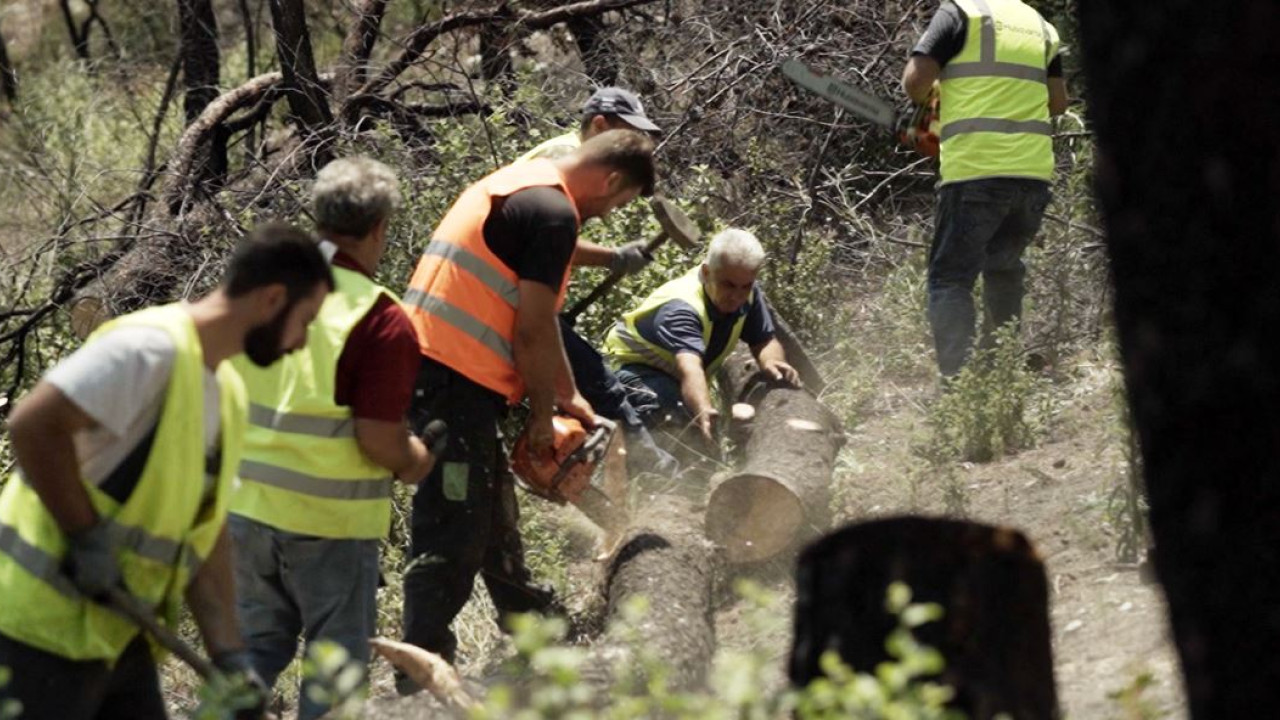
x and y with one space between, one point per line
783 490
990 582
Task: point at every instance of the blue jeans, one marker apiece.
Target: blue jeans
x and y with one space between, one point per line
981 226
653 393
290 585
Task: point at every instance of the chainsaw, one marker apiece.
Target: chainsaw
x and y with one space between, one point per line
569 476
917 130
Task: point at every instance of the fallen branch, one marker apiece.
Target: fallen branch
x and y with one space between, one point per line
430 671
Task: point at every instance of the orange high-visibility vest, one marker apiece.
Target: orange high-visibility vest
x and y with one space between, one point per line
462 299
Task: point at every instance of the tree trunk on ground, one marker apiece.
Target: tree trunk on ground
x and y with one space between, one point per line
8 78
665 558
994 634
782 493
307 98
1183 103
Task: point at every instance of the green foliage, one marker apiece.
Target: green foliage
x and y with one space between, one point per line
987 410
554 679
1131 700
9 709
223 695
334 679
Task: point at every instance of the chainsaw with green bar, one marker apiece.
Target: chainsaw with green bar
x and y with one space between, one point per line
917 130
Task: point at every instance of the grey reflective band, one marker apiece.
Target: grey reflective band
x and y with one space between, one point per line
478 267
638 347
462 320
996 125
986 33
328 488
994 69
143 543
35 561
299 424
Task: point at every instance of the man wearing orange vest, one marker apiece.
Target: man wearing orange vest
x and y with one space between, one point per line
484 301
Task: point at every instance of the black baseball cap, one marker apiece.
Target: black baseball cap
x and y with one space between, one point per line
623 103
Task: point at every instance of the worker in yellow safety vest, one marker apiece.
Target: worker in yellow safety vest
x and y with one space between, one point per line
327 435
998 72
126 452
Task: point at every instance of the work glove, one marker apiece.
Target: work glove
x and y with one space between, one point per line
629 259
91 561
237 665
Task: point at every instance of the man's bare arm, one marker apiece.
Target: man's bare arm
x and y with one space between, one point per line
41 428
211 595
696 392
918 77
1059 99
589 254
772 358
391 445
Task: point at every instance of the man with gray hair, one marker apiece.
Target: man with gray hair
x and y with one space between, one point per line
327 435
680 335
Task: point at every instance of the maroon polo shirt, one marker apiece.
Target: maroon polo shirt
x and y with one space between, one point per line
379 364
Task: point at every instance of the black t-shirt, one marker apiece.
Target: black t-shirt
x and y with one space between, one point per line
945 36
533 232
677 328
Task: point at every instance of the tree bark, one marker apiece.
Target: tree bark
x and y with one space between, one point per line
200 58
8 78
599 58
782 492
668 561
308 100
1183 104
353 70
79 38
991 585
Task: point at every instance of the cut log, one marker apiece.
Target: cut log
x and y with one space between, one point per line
782 493
664 558
430 671
991 584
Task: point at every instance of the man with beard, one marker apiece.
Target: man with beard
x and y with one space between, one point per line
484 301
126 452
327 434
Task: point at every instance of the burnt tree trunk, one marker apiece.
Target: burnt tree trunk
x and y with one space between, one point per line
8 78
1183 102
991 585
200 69
599 57
308 99
665 559
79 38
782 492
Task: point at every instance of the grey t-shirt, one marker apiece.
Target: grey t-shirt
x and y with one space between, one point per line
119 380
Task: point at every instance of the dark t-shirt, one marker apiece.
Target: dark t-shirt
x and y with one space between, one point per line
677 328
945 36
534 232
380 361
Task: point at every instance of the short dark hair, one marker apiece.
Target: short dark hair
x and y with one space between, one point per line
629 152
276 252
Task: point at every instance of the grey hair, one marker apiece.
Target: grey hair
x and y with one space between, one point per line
735 248
352 194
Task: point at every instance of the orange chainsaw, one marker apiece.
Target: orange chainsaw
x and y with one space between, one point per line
569 476
917 130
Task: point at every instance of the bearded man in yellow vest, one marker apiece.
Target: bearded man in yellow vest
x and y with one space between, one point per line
126 452
669 346
484 300
327 435
999 78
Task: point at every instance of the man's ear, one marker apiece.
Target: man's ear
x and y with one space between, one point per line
271 299
614 183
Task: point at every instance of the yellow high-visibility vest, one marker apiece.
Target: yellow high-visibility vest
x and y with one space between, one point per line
994 95
303 471
164 530
625 345
556 147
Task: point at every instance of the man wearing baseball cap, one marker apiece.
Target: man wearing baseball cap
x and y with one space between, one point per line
609 108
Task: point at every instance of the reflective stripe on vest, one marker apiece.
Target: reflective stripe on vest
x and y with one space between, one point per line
462 299
161 533
625 344
303 470
994 95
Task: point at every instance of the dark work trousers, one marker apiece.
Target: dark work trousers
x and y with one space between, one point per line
51 687
609 399
981 227
464 516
